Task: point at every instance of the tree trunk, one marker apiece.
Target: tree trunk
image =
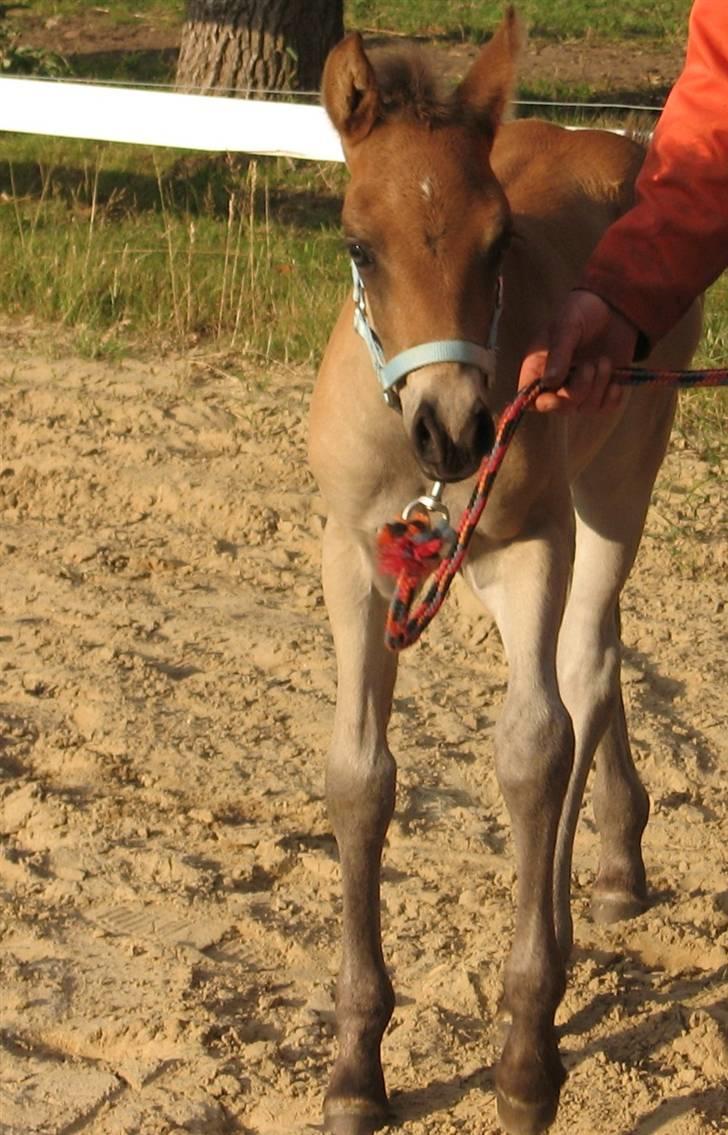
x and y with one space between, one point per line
257 45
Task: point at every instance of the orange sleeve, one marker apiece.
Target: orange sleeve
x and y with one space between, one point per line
653 262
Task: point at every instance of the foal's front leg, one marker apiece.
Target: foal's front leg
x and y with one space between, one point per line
360 787
524 585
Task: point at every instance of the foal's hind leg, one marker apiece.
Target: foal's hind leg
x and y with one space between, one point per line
611 499
589 656
621 809
360 787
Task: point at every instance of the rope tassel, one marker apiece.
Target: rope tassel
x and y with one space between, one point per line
412 549
413 546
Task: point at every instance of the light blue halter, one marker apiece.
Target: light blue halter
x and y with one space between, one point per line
392 373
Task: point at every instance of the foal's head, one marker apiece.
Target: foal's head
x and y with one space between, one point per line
426 223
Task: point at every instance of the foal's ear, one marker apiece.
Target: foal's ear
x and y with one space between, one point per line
349 90
488 85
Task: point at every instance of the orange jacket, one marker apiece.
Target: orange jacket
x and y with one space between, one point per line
653 262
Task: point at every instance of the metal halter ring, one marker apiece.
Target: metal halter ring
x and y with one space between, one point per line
430 503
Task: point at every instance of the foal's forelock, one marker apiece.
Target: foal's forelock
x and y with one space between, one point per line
410 91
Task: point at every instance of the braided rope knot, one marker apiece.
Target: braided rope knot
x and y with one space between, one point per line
413 549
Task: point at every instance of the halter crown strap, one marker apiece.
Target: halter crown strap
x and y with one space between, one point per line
391 373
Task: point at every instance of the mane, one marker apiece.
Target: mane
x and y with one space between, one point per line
409 89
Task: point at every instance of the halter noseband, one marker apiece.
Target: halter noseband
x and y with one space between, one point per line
392 373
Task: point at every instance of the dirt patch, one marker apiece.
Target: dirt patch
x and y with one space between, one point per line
95 32
170 885
614 73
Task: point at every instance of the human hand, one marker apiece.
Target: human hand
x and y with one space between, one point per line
589 339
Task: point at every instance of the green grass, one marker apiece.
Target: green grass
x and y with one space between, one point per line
127 244
688 518
547 19
134 68
703 414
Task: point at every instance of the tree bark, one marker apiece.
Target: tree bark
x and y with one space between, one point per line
241 46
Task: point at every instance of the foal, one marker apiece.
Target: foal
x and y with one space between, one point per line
443 204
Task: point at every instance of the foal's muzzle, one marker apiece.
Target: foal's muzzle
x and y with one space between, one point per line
441 456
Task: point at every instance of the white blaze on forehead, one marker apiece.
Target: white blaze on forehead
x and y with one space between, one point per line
426 187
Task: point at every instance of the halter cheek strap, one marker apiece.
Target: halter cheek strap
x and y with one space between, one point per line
392 373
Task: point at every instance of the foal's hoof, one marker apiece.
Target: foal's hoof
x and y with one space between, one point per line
521 1117
616 906
356 1100
528 1082
354 1117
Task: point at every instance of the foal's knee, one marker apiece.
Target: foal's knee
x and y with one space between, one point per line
535 747
589 671
360 792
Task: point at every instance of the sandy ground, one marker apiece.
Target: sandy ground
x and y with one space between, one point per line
169 883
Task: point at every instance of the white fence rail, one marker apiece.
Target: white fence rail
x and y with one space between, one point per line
165 118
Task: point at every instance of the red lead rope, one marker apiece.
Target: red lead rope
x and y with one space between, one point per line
411 549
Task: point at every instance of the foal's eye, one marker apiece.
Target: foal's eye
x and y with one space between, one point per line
497 249
360 254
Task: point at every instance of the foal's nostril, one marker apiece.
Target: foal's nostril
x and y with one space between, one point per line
484 433
437 451
429 440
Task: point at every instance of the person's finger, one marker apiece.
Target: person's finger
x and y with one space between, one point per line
532 366
566 338
614 396
560 400
551 401
600 384
581 383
